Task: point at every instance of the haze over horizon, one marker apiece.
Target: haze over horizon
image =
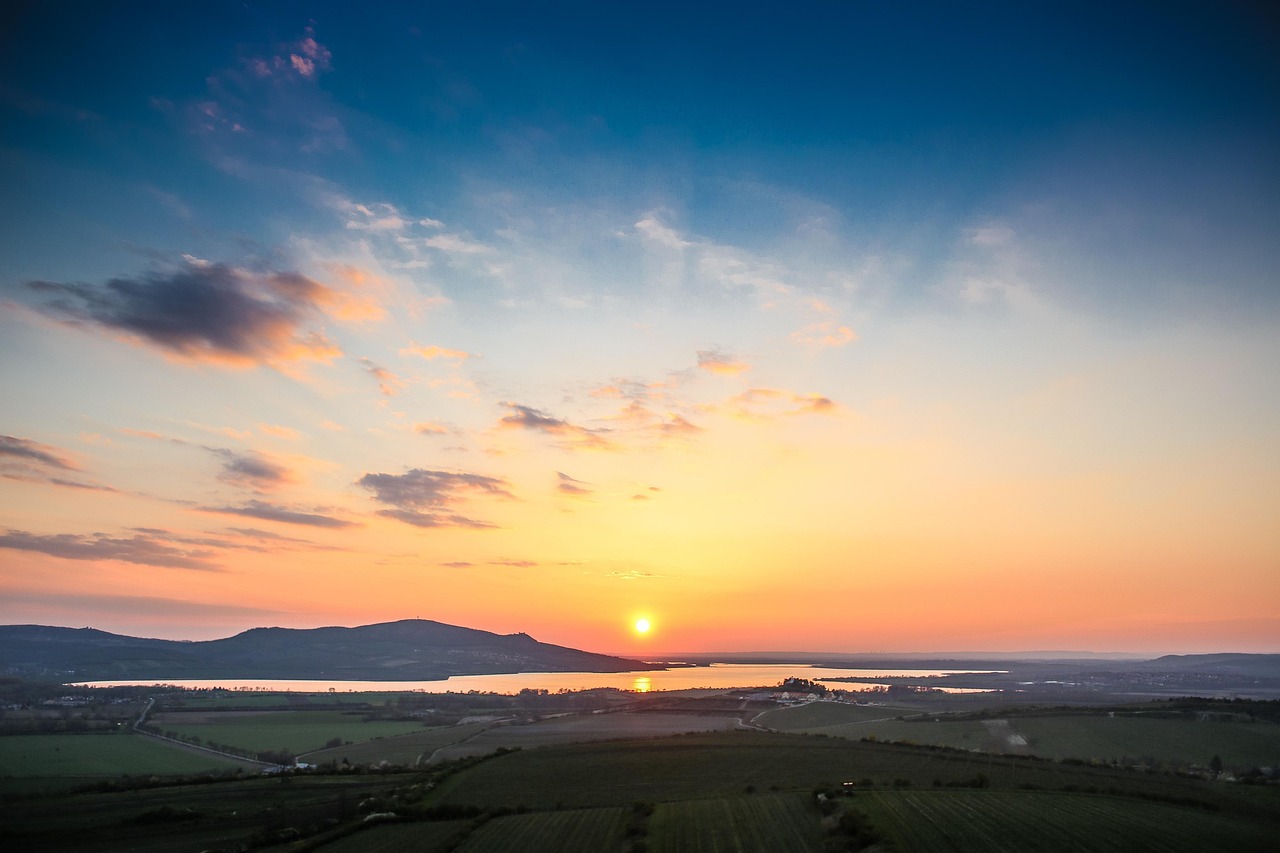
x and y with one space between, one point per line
839 329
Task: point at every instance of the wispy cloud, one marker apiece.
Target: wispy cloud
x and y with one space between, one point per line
275 512
426 498
720 363
762 403
572 435
250 470
26 450
203 312
388 383
567 485
824 335
143 549
431 352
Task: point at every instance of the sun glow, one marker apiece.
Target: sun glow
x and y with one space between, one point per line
642 626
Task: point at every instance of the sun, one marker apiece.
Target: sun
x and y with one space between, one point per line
642 626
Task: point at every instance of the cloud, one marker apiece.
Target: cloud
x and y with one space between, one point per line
251 470
458 564
455 246
760 403
632 575
653 230
714 361
569 486
677 425
432 352
204 312
134 605
574 436
25 461
278 431
388 383
27 450
518 564
824 335
426 498
275 512
143 549
429 428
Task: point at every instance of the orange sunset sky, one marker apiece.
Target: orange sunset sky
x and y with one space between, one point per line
901 332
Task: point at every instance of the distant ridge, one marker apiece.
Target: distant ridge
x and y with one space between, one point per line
408 650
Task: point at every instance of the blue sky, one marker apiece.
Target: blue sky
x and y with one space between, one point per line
933 299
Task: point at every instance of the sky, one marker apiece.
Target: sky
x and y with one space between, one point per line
844 327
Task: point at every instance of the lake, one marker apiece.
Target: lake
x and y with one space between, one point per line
717 675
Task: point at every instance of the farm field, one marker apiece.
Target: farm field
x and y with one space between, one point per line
579 729
1171 741
180 818
395 837
579 831
1239 744
292 731
82 757
720 791
724 764
759 823
814 715
405 749
1002 822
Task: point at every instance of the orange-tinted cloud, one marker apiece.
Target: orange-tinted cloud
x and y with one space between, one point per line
432 352
388 383
827 334
721 364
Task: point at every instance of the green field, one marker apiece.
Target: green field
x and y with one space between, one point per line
292 731
724 791
589 727
759 823
1177 742
395 837
1239 744
579 831
1000 822
403 749
724 764
80 756
814 715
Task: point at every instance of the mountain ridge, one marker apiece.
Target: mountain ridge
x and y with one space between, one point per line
404 650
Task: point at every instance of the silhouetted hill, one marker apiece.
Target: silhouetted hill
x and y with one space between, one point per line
1229 663
409 650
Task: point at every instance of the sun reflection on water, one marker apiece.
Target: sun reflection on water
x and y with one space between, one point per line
641 684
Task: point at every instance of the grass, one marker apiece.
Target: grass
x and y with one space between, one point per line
579 729
395 837
762 823
293 731
1003 822
1239 744
578 831
80 756
814 715
1175 742
403 749
723 764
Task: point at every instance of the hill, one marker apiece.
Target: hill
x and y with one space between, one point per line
408 650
